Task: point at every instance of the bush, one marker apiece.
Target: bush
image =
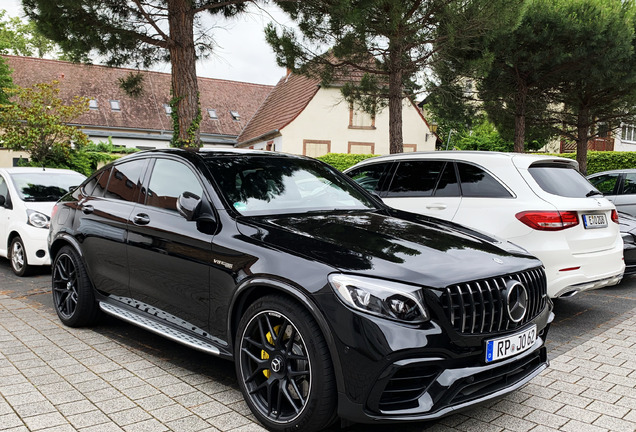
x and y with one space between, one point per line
342 161
598 161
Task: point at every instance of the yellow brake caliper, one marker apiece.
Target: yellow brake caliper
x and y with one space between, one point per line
264 355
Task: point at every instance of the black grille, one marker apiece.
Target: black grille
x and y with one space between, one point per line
406 386
480 306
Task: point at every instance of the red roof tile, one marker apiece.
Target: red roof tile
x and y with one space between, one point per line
288 99
146 112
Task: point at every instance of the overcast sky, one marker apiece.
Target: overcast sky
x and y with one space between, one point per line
242 54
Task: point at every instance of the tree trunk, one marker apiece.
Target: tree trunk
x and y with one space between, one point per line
582 136
520 116
396 140
185 87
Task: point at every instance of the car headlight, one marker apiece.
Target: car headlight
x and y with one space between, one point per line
37 219
382 298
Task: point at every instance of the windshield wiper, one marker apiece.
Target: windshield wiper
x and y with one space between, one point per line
592 193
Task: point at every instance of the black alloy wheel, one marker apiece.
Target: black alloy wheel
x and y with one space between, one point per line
284 367
18 257
73 296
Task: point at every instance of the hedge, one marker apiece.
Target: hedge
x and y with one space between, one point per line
342 161
596 160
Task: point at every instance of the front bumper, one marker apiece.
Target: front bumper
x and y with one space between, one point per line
392 372
445 391
35 244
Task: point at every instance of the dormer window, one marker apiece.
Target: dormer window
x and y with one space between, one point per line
235 115
114 105
168 109
212 114
92 104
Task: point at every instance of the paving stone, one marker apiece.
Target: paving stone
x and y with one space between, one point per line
545 418
543 404
513 423
72 408
91 418
613 424
228 421
608 409
170 412
574 413
151 425
44 421
129 416
191 423
210 409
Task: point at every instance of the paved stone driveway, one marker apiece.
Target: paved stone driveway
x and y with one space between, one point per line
54 378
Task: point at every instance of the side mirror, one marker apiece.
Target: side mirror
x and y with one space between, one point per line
187 204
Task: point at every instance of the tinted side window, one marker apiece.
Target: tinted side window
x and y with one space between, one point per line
125 179
370 177
478 183
90 185
169 180
415 178
605 183
102 182
4 191
629 185
448 186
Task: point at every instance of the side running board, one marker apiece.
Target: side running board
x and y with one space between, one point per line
159 328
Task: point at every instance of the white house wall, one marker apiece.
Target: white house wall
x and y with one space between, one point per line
326 118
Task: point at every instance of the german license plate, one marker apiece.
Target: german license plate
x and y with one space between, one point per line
594 221
501 348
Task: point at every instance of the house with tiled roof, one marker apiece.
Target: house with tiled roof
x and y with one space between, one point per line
301 116
143 122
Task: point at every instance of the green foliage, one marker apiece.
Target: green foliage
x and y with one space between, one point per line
383 44
23 38
133 84
598 161
342 161
84 161
6 82
484 136
190 141
38 122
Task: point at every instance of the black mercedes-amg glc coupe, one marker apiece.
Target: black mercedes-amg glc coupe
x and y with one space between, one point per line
330 303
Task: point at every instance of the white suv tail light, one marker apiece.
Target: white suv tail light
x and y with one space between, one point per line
550 220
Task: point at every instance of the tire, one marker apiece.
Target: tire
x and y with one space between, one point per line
18 257
284 368
73 295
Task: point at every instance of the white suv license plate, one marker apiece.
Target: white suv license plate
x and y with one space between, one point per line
594 221
501 348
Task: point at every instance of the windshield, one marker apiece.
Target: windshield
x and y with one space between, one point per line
562 181
45 185
264 185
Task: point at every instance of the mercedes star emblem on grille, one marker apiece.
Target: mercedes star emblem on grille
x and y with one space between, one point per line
517 297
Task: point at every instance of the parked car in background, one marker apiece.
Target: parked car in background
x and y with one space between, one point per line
27 196
329 302
541 203
627 224
618 186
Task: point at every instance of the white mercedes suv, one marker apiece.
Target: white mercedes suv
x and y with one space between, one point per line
539 202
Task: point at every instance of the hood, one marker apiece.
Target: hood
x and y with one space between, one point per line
420 250
45 207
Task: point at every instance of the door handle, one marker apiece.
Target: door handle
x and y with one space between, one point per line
141 219
88 209
437 206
